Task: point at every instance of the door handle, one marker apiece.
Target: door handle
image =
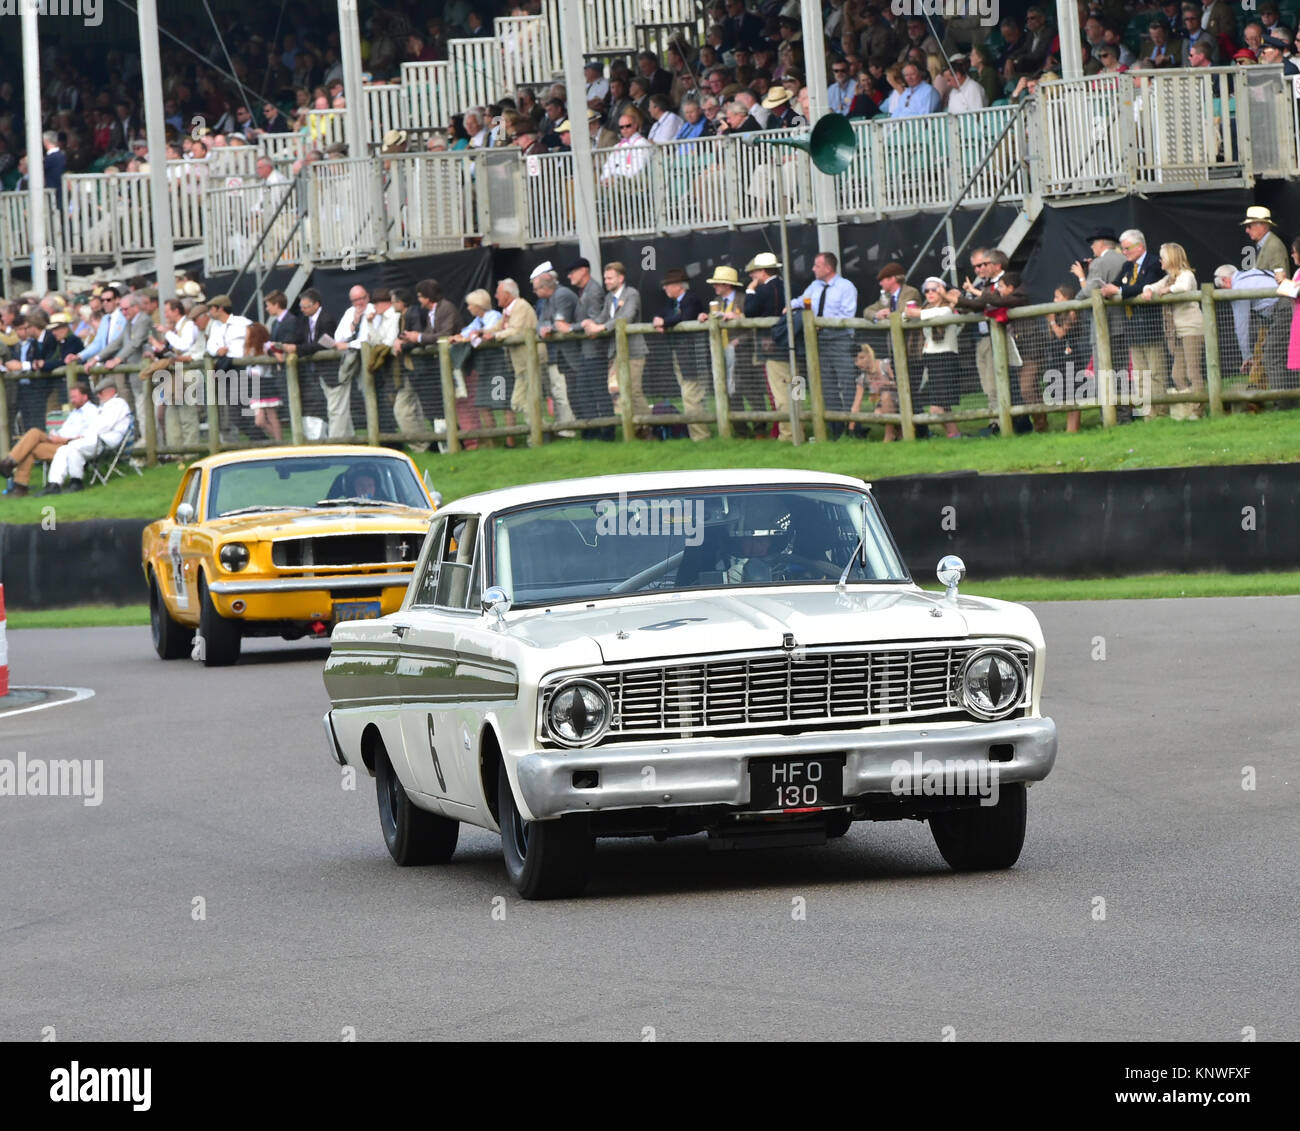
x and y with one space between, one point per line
399 630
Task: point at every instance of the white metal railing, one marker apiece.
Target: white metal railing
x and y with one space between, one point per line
1183 132
429 203
549 190
232 161
1083 126
428 94
238 216
700 183
326 128
1109 133
385 110
15 231
610 26
554 34
282 147
347 206
524 52
475 73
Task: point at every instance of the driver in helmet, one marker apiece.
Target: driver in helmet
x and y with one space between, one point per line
363 482
756 542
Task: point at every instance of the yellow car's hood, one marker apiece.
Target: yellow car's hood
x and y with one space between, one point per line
305 521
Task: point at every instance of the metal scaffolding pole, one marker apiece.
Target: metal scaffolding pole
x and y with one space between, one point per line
823 187
35 149
155 129
584 173
354 91
1067 25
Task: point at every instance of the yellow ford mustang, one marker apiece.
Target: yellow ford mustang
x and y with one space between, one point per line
282 542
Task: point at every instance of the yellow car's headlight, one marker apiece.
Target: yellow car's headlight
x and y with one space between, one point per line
234 556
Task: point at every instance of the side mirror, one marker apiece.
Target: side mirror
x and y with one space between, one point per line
950 572
496 602
185 514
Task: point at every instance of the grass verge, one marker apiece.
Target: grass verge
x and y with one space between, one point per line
1025 589
1268 437
83 616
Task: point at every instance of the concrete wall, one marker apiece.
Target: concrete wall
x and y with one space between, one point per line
1087 524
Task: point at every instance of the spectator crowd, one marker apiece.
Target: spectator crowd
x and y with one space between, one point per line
264 72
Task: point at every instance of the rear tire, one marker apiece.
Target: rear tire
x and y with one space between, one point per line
171 640
414 836
544 859
221 637
985 837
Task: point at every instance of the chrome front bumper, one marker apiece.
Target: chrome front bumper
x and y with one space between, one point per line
297 584
715 771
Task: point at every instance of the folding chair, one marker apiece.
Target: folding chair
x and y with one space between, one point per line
107 461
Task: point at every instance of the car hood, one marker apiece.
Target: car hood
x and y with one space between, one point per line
303 522
647 629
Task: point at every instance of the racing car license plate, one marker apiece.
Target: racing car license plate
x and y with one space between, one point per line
796 783
356 610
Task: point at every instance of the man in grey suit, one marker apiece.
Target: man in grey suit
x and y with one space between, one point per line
622 303
590 395
130 351
557 307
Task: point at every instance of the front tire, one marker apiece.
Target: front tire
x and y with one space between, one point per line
171 640
986 837
544 859
221 637
414 836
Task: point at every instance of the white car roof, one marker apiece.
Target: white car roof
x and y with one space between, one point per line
646 481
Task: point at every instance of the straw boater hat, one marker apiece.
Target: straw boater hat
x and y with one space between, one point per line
564 127
777 96
191 289
725 275
394 142
62 318
1257 214
763 261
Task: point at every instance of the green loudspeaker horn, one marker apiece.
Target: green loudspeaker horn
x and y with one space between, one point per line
831 145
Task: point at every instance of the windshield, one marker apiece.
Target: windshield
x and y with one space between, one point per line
580 549
305 481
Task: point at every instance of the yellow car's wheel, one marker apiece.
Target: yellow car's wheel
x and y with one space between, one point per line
172 641
221 637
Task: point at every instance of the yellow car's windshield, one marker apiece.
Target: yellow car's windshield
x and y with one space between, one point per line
311 481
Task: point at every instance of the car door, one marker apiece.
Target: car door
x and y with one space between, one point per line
445 672
177 572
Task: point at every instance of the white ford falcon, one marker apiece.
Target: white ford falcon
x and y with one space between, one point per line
736 653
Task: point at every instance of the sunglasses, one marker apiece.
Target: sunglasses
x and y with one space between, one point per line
626 126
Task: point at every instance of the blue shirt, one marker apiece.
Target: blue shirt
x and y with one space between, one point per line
111 326
694 129
482 322
916 100
839 96
1250 280
841 297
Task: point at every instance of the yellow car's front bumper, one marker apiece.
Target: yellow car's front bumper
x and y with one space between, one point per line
305 598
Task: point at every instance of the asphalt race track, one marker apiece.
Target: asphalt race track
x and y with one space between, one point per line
217 786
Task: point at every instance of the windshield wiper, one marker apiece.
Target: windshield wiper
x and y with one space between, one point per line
260 507
859 549
355 501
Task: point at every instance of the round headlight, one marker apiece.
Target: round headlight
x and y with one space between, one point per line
234 556
992 683
579 713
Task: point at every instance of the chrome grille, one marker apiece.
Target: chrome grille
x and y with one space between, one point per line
778 691
373 547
